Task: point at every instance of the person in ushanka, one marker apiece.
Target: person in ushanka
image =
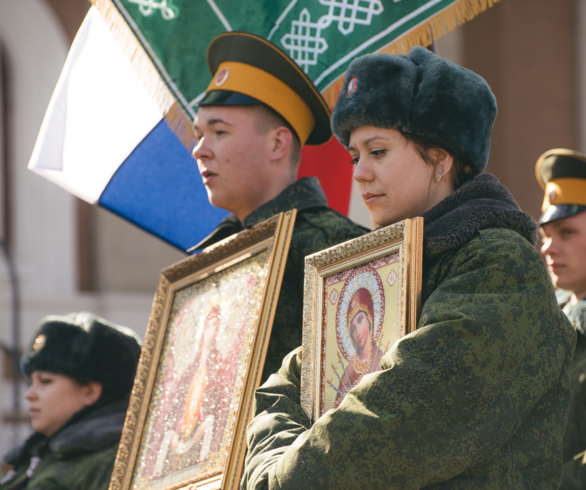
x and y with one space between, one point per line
477 396
81 371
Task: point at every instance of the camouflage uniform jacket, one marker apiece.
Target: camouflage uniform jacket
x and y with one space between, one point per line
575 438
317 227
476 398
79 457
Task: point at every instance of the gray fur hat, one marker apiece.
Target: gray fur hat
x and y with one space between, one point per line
86 348
419 94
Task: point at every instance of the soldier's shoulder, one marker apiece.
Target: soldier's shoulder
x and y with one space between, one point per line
90 470
321 228
329 222
510 246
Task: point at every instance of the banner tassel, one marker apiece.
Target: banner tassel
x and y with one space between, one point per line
143 66
423 35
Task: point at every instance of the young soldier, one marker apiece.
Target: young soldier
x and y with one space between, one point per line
258 112
562 174
81 370
477 397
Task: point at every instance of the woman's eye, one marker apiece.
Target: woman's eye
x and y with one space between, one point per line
354 161
378 153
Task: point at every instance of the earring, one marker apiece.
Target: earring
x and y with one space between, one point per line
439 175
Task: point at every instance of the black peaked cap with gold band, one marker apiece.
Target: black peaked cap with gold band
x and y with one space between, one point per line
562 174
247 69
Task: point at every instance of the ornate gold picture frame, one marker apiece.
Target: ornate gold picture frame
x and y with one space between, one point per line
201 361
360 297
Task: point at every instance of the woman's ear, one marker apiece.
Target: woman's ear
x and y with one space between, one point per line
444 160
92 392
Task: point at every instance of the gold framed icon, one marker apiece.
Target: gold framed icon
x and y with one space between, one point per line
360 298
201 361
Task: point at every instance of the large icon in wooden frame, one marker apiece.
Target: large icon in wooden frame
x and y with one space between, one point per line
202 360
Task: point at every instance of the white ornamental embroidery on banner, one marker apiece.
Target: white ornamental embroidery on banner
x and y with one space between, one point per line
334 296
305 43
348 13
147 7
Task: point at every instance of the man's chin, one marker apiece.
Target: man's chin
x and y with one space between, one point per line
218 201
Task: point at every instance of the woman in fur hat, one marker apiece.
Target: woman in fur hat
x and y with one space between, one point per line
81 370
477 397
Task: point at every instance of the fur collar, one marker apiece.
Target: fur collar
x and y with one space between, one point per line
100 429
93 431
481 203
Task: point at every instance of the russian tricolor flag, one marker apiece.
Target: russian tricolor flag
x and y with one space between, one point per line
107 141
113 142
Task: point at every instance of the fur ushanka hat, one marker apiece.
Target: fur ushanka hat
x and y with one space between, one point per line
86 348
419 94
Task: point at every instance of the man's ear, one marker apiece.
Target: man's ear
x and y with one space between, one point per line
281 141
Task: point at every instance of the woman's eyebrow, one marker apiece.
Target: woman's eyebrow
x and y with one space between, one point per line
366 142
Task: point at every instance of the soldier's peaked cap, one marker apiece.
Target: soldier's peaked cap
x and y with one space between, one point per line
561 173
247 69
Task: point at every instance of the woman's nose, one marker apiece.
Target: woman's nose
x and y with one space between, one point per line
362 172
30 393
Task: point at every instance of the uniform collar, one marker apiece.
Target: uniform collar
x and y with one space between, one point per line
304 194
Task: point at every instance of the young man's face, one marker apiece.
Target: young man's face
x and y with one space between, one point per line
233 158
564 247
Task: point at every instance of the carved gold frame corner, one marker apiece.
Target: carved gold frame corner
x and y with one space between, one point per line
408 234
273 235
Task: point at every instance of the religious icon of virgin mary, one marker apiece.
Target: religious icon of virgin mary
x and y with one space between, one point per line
359 321
367 354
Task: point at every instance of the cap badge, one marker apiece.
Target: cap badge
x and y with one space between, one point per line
351 86
222 76
551 196
39 342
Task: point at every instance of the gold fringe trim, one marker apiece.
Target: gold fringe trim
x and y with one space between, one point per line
182 126
174 115
423 35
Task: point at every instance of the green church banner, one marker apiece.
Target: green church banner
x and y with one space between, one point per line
322 36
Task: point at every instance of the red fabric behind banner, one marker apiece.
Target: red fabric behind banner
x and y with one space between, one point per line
330 163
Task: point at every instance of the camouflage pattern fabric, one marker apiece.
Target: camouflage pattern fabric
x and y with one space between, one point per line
89 471
476 398
80 456
317 227
575 438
